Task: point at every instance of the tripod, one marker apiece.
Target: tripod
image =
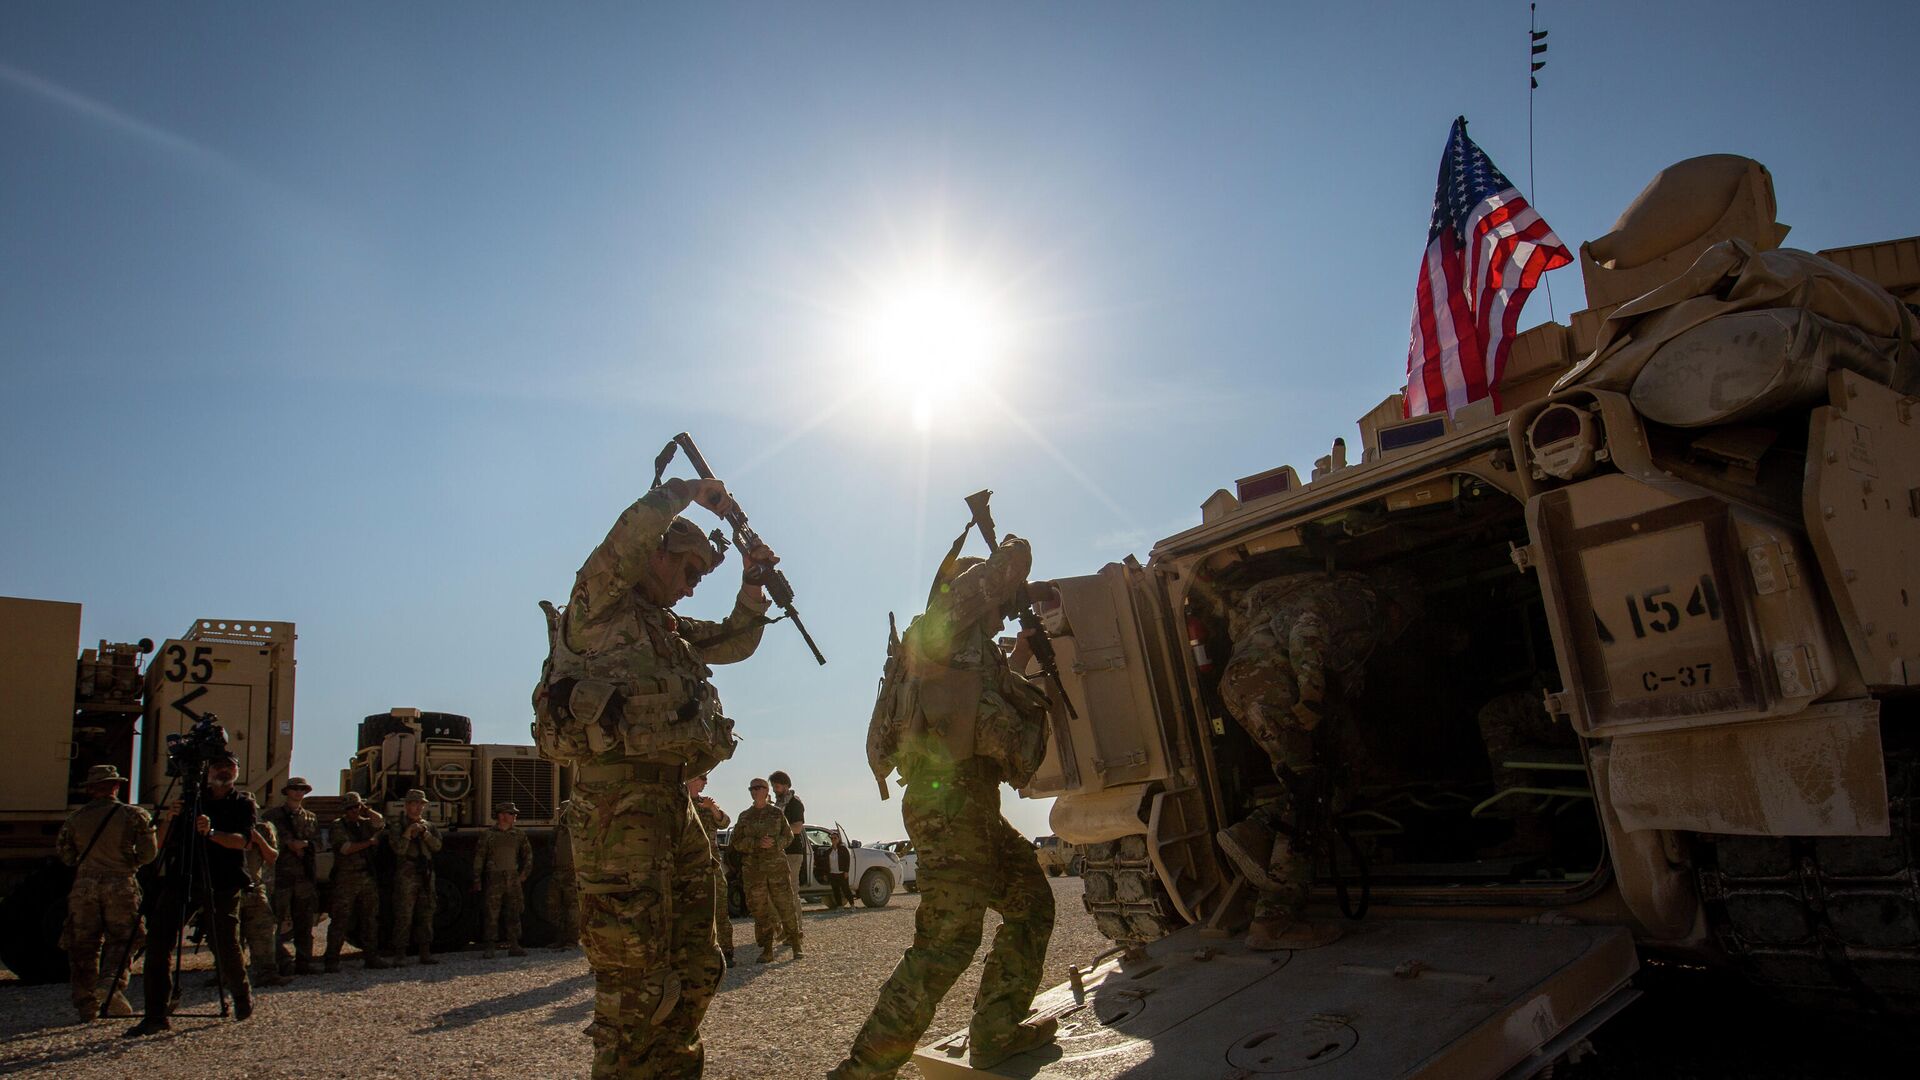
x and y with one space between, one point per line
186 876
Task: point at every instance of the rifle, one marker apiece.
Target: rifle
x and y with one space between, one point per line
744 538
1037 639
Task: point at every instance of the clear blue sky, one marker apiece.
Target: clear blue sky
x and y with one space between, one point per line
372 317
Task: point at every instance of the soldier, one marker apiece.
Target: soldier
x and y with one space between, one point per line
759 836
957 721
294 894
414 842
257 922
502 862
625 698
566 890
106 842
795 810
713 819
356 895
1296 638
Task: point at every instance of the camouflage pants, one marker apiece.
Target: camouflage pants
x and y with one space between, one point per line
1518 720
294 901
722 917
355 906
503 897
645 870
971 861
769 891
103 928
413 904
257 925
1279 701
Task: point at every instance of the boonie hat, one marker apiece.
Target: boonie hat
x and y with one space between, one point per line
505 808
103 774
416 795
296 783
352 798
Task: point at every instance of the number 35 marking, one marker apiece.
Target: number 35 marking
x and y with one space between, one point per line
180 669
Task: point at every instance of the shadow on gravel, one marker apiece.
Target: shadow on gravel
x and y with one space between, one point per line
468 1015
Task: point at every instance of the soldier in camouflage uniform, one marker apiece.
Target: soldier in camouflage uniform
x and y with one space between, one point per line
294 893
760 836
356 895
257 922
625 698
1295 639
566 890
106 842
414 842
957 721
502 862
1519 720
713 819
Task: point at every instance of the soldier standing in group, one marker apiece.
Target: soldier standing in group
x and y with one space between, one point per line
790 804
414 842
956 720
1296 638
294 894
106 842
713 819
502 862
566 891
759 836
625 698
257 923
356 895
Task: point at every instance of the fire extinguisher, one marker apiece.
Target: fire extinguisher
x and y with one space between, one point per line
1197 638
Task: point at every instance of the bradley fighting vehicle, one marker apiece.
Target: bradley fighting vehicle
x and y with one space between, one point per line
1683 537
60 718
435 752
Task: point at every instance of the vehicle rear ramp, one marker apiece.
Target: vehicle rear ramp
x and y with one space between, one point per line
1392 998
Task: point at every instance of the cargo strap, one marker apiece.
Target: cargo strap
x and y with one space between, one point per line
643 771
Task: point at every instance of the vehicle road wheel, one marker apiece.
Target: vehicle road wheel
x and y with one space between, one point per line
912 886
31 918
1053 871
1124 894
1077 865
876 888
736 899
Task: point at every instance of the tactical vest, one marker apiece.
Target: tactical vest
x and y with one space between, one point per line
647 701
937 710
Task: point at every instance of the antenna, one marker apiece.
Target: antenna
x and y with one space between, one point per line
1536 59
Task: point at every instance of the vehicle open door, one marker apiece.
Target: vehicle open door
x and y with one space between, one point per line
1393 998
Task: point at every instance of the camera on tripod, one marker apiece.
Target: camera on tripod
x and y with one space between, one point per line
189 751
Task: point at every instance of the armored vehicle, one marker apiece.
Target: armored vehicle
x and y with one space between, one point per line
407 748
62 717
1677 545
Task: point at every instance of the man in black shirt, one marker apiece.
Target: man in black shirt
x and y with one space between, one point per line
219 843
796 811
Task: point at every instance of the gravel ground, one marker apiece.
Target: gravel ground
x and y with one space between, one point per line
525 1018
511 1017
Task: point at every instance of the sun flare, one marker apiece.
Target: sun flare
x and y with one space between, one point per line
931 343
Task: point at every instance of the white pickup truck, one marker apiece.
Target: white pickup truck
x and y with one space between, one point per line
874 875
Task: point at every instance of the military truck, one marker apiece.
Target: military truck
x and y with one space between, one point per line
62 718
407 748
1682 531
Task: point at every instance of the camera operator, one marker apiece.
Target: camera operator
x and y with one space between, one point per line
218 844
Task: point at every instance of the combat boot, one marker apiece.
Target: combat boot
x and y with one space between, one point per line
797 954
515 950
1024 1037
330 965
1249 845
728 954
426 955
271 977
766 955
375 961
242 1004
86 1010
118 1005
147 1027
303 966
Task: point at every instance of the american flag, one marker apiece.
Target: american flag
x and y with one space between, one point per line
1486 250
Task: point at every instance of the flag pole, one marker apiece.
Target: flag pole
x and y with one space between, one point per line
1536 46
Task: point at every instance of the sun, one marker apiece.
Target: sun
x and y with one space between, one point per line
931 343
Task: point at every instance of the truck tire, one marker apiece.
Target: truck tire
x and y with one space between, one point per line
736 899
456 907
876 888
1053 870
1123 893
31 918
